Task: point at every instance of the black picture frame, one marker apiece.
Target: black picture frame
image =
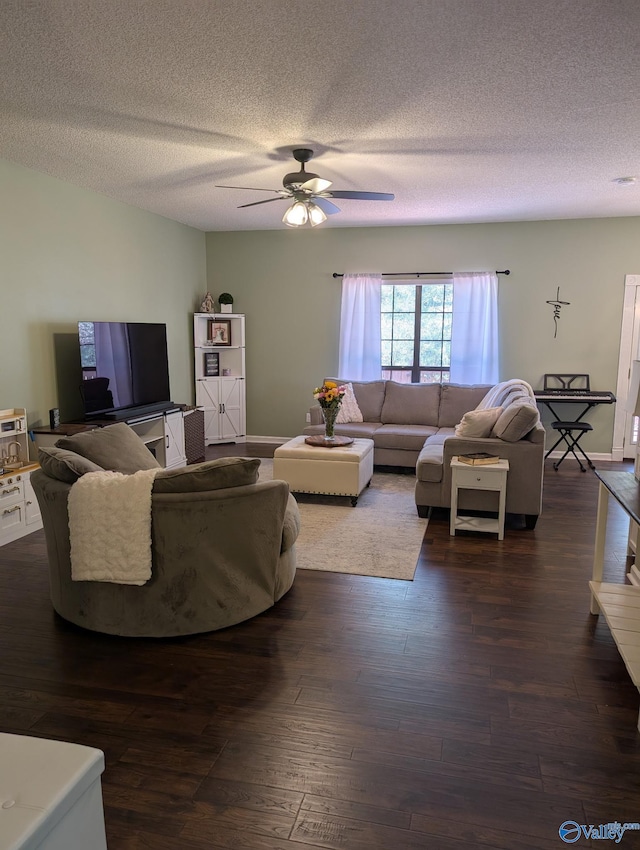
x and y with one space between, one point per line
211 364
219 331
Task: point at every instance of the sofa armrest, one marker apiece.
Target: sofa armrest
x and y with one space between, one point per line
526 467
315 415
291 527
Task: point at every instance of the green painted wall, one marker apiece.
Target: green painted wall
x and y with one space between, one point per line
282 280
67 254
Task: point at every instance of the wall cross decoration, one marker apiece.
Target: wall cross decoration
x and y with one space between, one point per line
557 304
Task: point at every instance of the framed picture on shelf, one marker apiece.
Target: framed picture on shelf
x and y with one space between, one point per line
211 364
219 331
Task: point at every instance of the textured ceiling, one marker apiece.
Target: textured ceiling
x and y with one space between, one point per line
467 110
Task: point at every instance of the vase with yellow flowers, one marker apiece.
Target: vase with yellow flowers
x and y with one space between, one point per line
329 396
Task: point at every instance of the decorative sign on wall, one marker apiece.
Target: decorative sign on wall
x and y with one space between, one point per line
557 305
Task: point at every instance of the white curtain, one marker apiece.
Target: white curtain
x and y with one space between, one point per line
113 360
474 331
360 355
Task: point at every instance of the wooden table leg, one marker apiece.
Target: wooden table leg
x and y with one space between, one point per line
601 533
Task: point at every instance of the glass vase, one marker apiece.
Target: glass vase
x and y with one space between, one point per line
330 414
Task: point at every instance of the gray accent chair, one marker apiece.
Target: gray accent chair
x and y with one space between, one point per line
223 544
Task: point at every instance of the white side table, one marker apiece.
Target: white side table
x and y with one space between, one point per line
489 476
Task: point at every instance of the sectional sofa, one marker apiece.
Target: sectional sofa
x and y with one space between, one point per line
423 426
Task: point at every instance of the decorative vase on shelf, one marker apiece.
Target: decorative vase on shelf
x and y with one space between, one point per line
330 414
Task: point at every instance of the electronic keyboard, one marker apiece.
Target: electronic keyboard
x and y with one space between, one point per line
584 396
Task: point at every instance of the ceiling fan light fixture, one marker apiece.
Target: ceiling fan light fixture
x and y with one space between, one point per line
297 215
309 195
316 215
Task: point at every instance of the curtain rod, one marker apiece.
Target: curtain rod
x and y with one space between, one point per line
416 274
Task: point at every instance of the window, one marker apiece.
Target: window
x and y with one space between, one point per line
416 332
87 349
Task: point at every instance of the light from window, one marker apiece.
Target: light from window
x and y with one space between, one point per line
87 349
416 332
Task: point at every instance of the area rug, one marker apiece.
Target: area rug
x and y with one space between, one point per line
380 537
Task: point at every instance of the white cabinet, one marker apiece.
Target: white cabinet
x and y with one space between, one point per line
174 450
19 511
219 349
224 411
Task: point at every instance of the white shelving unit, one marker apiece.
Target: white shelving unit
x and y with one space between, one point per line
19 510
618 603
221 396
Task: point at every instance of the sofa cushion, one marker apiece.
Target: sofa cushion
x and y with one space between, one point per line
408 437
64 465
440 436
349 409
117 448
364 430
516 421
430 464
478 423
456 400
411 404
210 475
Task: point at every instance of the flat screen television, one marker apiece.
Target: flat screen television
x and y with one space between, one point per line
125 369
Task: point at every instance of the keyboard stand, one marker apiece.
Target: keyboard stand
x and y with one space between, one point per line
566 429
571 389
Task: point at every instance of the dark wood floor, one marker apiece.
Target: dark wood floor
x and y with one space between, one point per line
479 706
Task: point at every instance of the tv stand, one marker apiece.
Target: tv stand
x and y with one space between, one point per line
162 433
133 414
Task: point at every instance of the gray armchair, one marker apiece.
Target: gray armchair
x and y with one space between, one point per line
223 544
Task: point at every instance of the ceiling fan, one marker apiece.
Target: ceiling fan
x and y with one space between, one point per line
310 194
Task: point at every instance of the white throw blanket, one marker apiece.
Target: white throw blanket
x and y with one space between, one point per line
498 395
110 527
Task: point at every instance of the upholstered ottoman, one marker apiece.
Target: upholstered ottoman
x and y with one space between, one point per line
50 795
339 471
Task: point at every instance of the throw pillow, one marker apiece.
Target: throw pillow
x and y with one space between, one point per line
478 423
117 448
64 465
516 421
210 475
349 410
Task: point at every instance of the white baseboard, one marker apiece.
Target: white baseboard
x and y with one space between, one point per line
593 455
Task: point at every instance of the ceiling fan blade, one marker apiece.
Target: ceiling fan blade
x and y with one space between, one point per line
268 201
325 205
362 196
316 184
249 188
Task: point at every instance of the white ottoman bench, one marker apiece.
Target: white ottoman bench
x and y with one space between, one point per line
50 795
338 471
